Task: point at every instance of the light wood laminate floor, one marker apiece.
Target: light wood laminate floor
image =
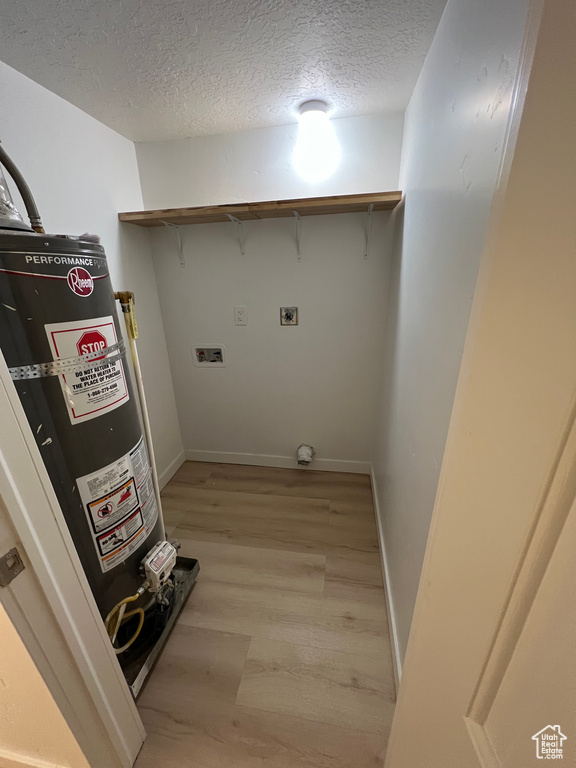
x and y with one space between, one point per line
281 657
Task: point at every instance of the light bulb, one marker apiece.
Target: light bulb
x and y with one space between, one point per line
317 152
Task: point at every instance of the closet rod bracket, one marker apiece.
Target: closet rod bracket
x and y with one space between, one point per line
179 247
240 231
368 229
298 234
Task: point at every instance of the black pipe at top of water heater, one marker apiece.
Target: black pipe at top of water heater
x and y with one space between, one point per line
57 308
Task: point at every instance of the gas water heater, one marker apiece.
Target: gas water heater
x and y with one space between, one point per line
62 342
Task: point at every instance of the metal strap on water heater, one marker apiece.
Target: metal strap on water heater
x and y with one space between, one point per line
68 364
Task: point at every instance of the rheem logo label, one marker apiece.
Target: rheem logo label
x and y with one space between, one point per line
80 281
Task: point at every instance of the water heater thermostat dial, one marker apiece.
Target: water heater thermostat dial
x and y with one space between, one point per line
158 564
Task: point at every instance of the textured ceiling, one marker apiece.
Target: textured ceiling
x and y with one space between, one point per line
177 68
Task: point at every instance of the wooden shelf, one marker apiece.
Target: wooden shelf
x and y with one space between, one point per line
308 206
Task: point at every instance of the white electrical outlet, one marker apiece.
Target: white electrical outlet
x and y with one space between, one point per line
240 316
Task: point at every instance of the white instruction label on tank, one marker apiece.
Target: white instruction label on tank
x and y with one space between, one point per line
120 505
101 386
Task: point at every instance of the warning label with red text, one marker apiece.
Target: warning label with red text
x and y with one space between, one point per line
100 386
120 505
119 537
114 506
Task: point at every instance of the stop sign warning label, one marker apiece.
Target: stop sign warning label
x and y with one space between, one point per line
91 341
100 386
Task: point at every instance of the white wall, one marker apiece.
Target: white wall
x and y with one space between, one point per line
256 165
317 383
453 144
82 174
32 728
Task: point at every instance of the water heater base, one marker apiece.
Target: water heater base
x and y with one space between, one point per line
138 665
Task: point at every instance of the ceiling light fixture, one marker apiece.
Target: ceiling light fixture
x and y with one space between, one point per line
317 152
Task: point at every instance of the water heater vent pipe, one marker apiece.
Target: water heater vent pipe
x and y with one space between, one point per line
24 189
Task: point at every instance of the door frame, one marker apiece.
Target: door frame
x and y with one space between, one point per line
51 605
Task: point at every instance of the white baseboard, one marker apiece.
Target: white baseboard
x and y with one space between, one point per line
9 759
263 460
171 469
397 663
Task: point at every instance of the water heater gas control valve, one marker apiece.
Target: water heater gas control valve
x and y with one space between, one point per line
158 564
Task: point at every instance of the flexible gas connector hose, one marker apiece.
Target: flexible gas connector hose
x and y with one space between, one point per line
139 611
117 616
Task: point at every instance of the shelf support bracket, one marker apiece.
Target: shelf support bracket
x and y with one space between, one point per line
179 247
298 234
368 229
240 230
